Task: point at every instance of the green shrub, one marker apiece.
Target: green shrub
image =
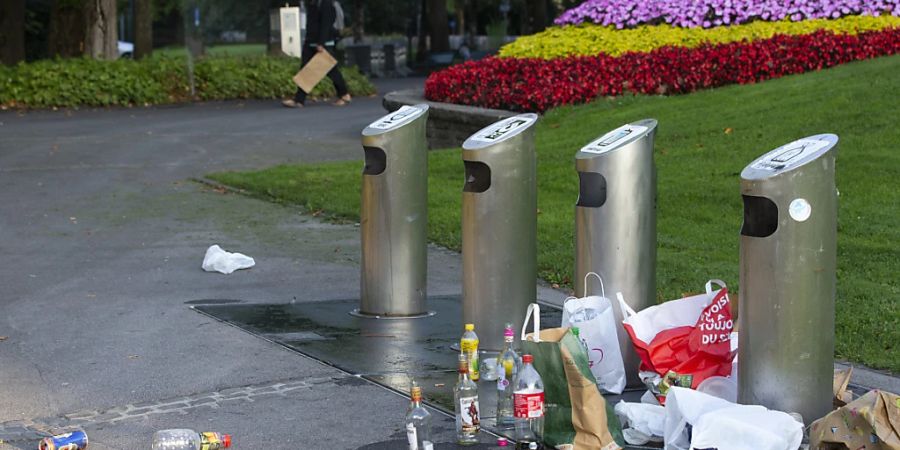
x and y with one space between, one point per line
162 79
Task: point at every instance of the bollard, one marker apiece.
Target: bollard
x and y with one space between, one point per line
615 223
787 276
499 227
394 216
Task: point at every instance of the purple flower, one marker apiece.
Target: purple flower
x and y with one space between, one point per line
707 13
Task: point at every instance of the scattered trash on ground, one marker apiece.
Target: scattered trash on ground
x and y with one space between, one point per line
75 440
871 422
184 439
218 260
697 420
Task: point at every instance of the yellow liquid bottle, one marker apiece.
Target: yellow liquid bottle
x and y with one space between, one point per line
468 345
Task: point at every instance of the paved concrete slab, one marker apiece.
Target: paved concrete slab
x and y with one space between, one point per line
103 237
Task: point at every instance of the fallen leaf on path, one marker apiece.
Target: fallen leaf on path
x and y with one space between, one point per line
3 338
133 356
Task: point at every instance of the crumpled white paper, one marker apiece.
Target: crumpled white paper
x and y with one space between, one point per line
218 260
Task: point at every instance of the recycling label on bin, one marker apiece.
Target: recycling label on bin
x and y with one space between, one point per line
396 118
613 139
504 128
789 155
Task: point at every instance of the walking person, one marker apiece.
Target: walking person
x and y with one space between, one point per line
321 36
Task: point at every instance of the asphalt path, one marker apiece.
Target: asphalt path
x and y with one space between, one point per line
102 234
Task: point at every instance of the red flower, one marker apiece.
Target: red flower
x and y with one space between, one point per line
537 84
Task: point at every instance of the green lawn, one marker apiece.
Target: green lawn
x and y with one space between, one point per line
704 141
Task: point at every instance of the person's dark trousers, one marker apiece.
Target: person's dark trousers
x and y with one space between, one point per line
339 84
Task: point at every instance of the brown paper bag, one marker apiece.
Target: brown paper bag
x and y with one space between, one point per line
313 72
841 380
576 416
871 422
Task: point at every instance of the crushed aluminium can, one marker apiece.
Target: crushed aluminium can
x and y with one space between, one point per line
76 440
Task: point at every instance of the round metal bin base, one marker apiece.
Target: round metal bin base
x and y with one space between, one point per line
357 313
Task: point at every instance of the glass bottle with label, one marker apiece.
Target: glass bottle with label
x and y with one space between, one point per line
465 401
468 345
508 367
418 422
528 405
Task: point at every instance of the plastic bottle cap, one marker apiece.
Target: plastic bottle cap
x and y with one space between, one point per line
575 331
502 442
470 327
226 440
527 359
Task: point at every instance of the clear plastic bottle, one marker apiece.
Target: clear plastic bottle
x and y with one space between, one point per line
508 367
465 401
468 345
418 422
184 439
528 403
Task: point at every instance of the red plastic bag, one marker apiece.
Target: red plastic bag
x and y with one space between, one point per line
684 341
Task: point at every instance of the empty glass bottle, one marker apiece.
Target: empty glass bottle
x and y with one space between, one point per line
508 367
418 422
465 401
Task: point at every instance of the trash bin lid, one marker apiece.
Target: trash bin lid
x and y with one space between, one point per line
500 131
617 138
789 156
396 119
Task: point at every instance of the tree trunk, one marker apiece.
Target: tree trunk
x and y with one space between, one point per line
537 9
359 21
143 28
66 36
437 25
12 31
460 17
100 41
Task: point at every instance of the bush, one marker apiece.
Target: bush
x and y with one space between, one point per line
711 13
537 84
87 82
590 40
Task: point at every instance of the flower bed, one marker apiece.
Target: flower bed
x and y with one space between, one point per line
532 84
710 13
590 40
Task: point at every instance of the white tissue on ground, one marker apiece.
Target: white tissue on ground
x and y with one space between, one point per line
218 260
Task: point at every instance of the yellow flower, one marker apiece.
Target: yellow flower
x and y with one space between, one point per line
589 39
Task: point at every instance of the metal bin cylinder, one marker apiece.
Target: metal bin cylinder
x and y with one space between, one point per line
499 227
615 223
394 215
787 278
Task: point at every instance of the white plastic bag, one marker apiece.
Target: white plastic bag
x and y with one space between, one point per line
641 422
218 260
596 322
723 425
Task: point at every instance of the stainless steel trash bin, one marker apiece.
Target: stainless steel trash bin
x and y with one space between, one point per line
499 227
615 222
787 275
394 215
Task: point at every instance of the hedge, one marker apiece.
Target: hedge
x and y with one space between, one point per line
156 80
590 40
712 13
532 84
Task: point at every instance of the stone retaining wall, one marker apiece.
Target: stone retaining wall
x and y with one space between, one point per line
448 124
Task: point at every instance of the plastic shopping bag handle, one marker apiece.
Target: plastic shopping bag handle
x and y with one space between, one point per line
602 289
533 309
627 311
709 285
